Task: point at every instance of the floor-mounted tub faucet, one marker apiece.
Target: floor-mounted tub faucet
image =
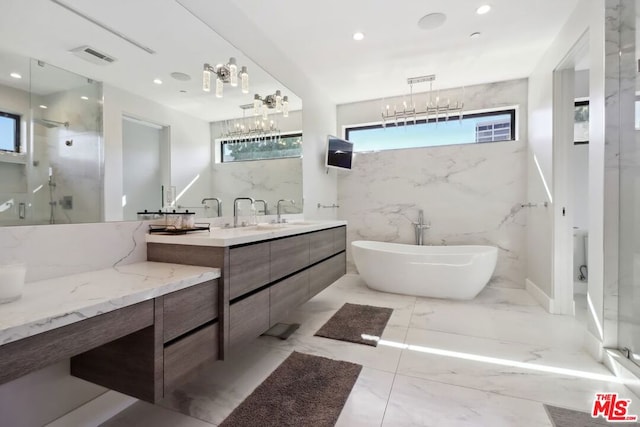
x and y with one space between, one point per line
419 227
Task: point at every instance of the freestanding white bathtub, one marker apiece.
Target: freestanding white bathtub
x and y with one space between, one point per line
455 272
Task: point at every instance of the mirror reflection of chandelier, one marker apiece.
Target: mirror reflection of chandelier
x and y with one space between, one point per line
225 73
249 129
277 102
438 109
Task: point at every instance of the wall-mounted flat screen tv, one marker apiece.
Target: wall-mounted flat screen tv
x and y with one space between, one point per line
339 153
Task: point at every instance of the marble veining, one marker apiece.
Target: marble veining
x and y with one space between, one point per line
470 194
52 303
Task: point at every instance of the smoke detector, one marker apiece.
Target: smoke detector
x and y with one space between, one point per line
92 55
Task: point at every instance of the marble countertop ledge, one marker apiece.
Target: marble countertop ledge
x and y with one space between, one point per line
222 237
53 303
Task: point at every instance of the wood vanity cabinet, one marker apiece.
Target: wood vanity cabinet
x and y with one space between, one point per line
262 282
150 362
248 268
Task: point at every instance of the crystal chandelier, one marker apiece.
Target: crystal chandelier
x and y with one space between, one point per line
247 129
225 73
429 109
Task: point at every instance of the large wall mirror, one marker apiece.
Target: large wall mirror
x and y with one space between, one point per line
86 141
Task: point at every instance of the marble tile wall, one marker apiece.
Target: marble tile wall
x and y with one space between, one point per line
59 250
269 180
471 194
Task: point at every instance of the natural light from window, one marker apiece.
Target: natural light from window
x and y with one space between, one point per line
473 128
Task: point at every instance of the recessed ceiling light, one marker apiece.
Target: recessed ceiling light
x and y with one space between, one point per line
475 35
84 98
44 107
358 36
483 9
16 75
432 21
157 81
181 76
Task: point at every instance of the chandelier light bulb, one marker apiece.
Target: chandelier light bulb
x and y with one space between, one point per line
265 112
285 106
244 78
278 101
219 85
257 103
206 78
233 71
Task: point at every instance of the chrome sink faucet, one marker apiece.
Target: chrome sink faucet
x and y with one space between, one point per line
264 205
419 227
215 199
278 209
235 208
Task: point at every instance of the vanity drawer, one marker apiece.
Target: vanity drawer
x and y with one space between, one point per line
321 245
340 239
248 318
288 295
248 268
186 354
289 255
323 274
189 308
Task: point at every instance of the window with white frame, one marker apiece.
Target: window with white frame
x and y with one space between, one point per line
470 128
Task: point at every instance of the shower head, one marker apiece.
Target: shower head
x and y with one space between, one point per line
51 123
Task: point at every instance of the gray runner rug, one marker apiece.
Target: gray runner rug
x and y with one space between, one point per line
356 323
303 391
563 417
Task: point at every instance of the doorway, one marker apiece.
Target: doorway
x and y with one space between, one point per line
144 157
571 182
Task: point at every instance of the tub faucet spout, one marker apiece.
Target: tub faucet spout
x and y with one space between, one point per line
419 228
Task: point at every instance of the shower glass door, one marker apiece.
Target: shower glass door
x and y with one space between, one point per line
629 186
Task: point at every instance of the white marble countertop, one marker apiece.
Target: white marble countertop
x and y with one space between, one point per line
241 235
50 304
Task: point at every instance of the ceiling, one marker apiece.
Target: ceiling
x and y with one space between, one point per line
317 36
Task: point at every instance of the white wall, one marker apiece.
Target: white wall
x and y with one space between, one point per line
189 141
471 193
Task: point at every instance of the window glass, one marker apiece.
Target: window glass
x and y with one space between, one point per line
272 147
9 132
470 129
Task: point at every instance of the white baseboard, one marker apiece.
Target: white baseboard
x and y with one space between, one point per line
96 411
593 346
538 294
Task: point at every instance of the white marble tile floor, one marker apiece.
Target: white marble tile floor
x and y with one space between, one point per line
492 361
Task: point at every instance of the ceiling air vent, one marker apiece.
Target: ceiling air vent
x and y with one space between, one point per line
92 55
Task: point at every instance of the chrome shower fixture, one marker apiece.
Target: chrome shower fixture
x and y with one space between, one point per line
51 123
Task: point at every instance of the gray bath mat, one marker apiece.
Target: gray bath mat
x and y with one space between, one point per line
353 321
562 417
304 390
